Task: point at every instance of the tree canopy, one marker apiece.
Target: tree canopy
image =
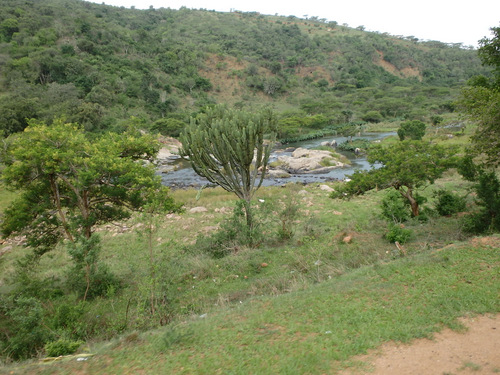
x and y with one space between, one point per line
480 102
405 166
412 130
98 65
69 182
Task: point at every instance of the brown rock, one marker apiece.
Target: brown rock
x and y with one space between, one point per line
347 239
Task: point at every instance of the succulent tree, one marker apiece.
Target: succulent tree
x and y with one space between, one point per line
228 148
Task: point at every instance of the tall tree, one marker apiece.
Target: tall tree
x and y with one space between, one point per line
405 166
70 183
480 102
228 148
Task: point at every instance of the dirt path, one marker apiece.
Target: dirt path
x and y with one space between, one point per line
476 351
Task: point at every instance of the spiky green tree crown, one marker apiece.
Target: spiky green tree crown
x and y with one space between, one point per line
227 147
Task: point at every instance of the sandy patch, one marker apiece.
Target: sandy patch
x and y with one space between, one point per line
477 351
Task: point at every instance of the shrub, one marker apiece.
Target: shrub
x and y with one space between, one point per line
372 116
233 232
88 276
412 130
27 334
67 316
288 213
487 188
62 347
395 207
449 203
488 199
103 282
397 233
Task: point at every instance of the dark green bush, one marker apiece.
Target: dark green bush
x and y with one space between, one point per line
487 189
412 130
62 347
395 207
102 282
397 233
487 219
449 203
27 333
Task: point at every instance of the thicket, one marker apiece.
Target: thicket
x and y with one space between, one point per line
98 65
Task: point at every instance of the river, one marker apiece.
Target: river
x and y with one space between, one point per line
184 176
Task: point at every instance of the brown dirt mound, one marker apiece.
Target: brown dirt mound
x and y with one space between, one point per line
450 353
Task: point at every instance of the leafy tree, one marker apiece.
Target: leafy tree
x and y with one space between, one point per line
412 130
228 148
487 189
481 103
8 27
71 183
489 52
405 166
373 116
169 126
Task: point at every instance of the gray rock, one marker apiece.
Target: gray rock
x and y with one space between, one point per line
196 210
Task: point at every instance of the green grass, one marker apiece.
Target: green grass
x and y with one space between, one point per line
315 330
304 305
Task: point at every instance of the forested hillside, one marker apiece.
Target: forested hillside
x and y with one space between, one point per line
99 65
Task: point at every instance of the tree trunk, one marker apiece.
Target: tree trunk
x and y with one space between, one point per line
248 214
87 281
413 202
414 207
57 198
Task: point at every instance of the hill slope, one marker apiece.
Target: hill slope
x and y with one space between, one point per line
98 65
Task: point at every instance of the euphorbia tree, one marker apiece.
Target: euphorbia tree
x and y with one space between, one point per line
228 148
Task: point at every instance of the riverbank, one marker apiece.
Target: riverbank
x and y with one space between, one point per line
177 173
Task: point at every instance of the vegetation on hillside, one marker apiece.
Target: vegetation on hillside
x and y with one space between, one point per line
92 247
98 65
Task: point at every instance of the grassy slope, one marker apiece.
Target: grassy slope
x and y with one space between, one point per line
315 330
316 303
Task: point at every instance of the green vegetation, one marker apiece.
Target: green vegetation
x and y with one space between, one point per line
228 148
412 130
481 103
330 322
71 184
96 256
98 65
405 166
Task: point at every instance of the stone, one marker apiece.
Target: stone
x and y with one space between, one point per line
196 210
326 188
304 160
277 173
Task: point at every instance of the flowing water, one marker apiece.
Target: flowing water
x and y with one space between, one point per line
183 175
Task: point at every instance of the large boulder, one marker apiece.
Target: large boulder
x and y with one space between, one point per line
304 160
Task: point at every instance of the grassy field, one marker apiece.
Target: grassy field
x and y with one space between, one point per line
319 285
312 331
306 304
